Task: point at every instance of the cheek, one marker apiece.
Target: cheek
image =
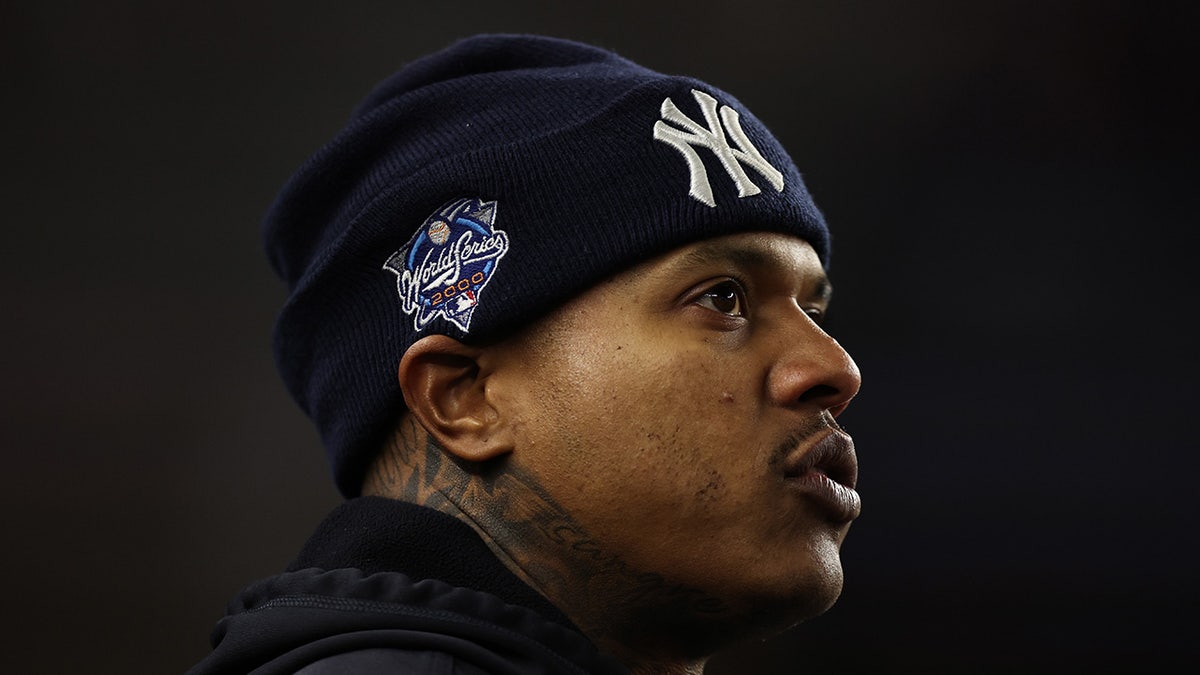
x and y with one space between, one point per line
650 389
617 405
670 425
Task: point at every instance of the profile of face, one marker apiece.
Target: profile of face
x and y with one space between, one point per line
683 415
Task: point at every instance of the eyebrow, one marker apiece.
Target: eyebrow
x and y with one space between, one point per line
749 258
710 253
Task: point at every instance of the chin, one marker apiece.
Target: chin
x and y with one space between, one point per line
775 606
802 593
813 598
755 609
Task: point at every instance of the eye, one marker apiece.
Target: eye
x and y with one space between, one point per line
816 314
726 297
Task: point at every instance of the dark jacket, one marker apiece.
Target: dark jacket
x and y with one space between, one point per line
389 587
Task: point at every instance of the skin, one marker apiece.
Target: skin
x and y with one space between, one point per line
623 455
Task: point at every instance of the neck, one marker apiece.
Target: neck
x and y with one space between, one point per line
636 615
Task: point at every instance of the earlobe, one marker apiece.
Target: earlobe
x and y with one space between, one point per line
445 389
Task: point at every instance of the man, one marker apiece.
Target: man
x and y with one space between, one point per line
557 318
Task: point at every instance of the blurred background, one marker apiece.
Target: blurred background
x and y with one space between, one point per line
1012 191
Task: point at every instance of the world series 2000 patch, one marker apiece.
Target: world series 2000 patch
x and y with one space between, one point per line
444 267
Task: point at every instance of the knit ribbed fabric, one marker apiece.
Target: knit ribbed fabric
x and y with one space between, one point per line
561 137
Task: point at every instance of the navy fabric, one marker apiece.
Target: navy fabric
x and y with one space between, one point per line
329 619
375 534
561 136
393 660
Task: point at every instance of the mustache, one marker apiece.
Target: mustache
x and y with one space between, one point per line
811 427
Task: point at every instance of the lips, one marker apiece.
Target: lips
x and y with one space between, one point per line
826 472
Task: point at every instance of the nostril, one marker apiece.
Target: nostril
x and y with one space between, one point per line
815 373
818 392
837 410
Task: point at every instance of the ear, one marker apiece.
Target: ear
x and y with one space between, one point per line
445 389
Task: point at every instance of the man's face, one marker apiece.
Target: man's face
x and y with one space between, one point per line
675 414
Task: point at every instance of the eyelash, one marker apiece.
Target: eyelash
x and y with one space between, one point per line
739 310
741 303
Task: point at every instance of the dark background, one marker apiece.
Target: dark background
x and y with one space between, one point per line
1012 190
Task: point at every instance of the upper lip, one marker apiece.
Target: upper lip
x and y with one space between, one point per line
831 454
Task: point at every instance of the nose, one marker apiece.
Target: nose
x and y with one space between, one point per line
812 370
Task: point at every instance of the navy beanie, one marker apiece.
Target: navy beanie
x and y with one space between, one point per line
481 186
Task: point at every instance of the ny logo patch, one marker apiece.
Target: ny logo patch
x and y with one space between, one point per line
688 133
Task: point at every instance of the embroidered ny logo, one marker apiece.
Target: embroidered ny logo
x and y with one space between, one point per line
690 133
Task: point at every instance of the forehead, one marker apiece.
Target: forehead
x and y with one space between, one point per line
766 256
770 262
